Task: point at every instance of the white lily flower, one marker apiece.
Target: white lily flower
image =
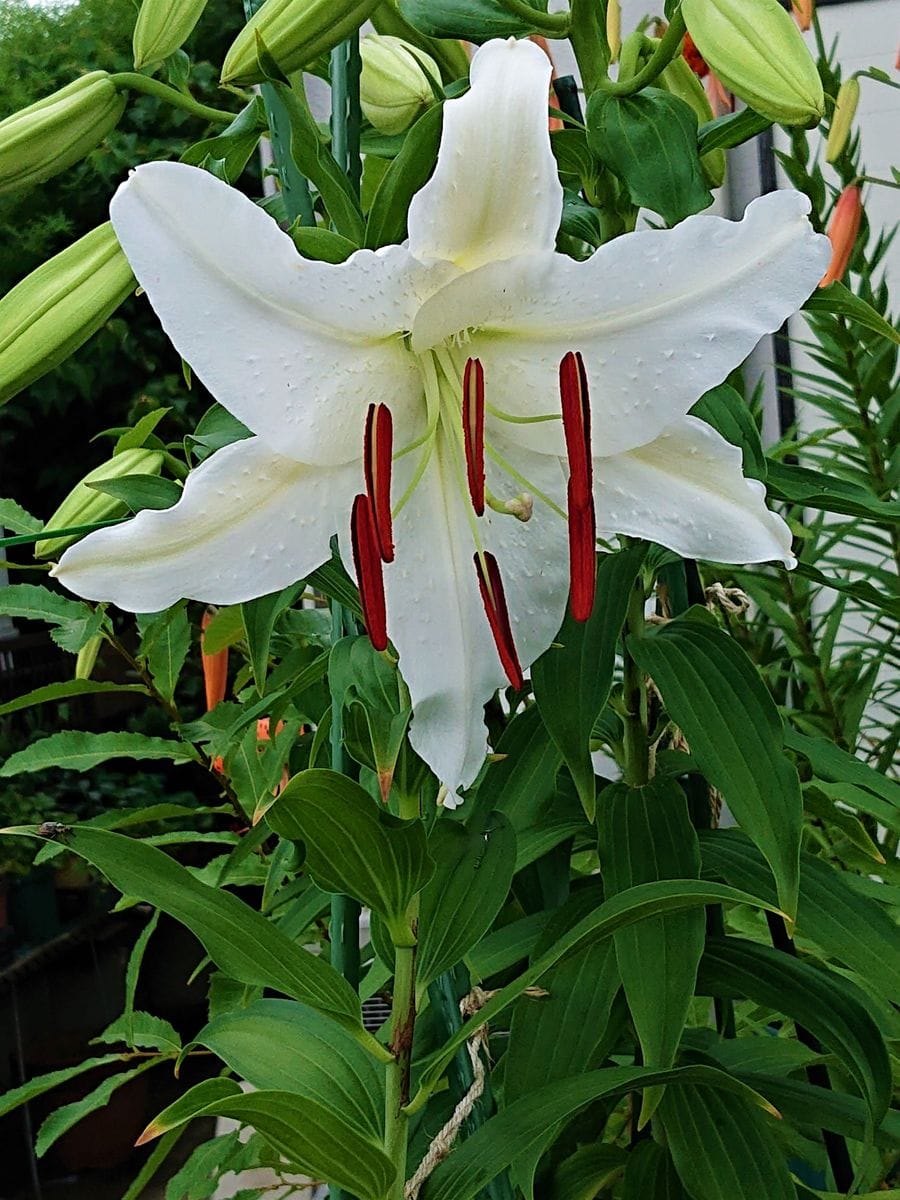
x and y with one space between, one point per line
447 356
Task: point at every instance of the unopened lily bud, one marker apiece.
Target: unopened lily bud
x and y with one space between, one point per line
87 657
843 230
85 504
614 28
47 137
759 54
803 12
162 27
294 32
842 120
521 507
394 84
56 308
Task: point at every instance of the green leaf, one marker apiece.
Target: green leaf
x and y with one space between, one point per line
572 680
66 691
165 641
13 516
193 1101
141 1030
838 301
285 1046
726 410
831 763
713 692
651 1174
474 20
37 603
62 1119
333 581
590 1170
815 489
816 1108
139 433
75 751
646 835
45 1083
321 245
829 1006
731 130
649 141
232 149
512 1132
140 491
258 617
406 175
474 870
722 1147
859 589
845 924
353 847
240 942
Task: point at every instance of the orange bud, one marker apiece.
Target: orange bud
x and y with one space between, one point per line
215 667
843 230
693 57
803 13
554 123
263 734
720 99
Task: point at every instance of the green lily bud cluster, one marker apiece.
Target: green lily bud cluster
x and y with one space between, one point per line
56 308
85 504
758 52
162 27
394 86
294 32
45 138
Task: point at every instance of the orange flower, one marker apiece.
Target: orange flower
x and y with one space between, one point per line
803 12
215 667
554 123
843 230
694 58
720 99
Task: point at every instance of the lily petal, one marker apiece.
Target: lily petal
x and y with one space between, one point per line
436 617
495 192
249 522
686 490
264 328
660 317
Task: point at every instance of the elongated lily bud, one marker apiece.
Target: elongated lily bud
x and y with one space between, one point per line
85 504
294 33
614 28
56 308
842 121
576 409
450 55
162 27
87 657
48 137
759 54
843 230
494 600
377 451
215 667
473 431
803 13
367 559
394 85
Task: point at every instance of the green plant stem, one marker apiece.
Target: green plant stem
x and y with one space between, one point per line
28 539
589 45
133 82
804 638
668 48
634 695
555 25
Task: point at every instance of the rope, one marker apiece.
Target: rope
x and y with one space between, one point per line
733 600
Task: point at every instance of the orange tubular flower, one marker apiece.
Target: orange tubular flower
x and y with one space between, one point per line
215 667
843 230
553 123
803 13
693 57
720 99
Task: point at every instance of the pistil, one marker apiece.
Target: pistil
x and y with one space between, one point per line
492 597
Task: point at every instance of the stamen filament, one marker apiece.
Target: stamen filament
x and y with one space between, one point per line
520 478
377 467
492 597
512 419
473 431
367 559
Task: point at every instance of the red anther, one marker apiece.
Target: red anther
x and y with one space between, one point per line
377 450
473 430
491 587
367 558
576 414
582 558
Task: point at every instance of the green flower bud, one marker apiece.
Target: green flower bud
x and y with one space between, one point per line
449 54
294 33
162 27
758 52
679 79
56 308
47 137
85 504
87 657
842 121
394 85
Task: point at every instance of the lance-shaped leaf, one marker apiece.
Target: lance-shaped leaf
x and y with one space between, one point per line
165 640
408 172
715 695
646 835
353 847
73 750
62 1119
258 618
473 873
572 679
651 1173
239 941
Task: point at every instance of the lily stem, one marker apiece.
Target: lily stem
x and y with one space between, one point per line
636 741
588 37
668 48
133 82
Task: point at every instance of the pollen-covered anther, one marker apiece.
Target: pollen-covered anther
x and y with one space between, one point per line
377 453
491 587
576 412
473 431
367 559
